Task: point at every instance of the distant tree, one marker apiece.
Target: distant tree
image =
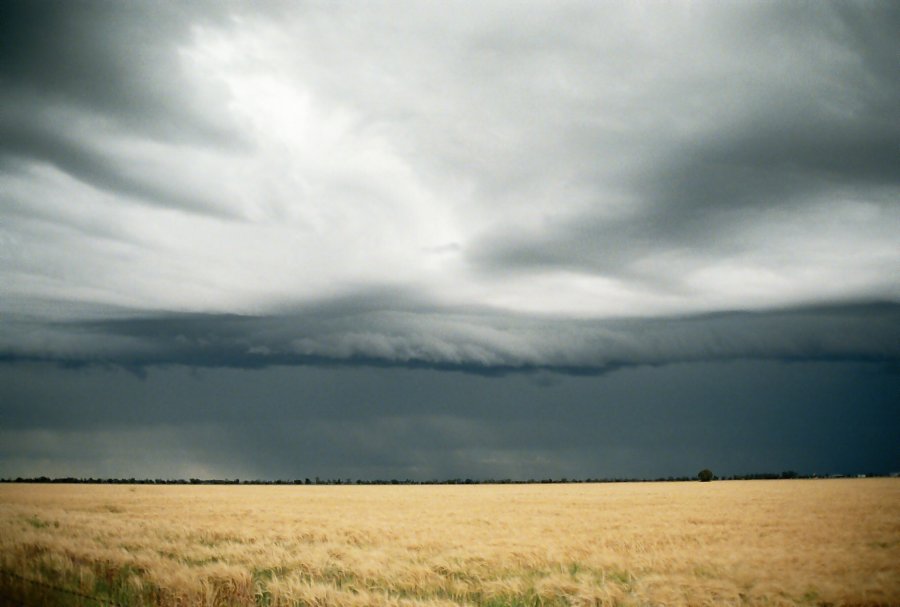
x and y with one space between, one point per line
705 475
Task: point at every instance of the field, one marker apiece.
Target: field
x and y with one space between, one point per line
794 542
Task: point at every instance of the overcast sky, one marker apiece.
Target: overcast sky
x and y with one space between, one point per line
452 239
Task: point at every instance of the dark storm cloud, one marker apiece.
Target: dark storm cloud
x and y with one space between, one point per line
474 239
118 60
376 423
361 332
75 74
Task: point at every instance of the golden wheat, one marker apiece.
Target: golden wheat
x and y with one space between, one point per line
800 542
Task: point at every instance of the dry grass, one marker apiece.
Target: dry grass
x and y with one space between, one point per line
737 543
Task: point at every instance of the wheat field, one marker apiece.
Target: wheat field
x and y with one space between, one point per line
792 542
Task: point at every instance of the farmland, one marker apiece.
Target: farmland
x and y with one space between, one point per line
792 542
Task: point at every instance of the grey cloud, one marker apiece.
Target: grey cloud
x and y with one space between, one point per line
118 60
74 74
591 144
47 142
733 109
357 332
812 117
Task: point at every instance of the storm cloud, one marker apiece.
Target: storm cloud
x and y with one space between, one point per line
375 423
361 332
530 195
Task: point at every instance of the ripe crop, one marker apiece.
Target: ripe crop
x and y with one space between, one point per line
791 542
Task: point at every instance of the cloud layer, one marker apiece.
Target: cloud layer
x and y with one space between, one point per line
396 333
415 239
574 159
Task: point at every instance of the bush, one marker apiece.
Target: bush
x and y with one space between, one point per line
705 475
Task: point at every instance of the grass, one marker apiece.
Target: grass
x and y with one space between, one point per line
793 542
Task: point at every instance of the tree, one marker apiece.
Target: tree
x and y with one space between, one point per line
705 475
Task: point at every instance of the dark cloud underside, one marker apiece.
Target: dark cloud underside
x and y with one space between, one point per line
347 333
372 423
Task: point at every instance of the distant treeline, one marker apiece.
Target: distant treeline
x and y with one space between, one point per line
787 474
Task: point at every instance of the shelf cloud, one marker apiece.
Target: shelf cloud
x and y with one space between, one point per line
354 334
542 189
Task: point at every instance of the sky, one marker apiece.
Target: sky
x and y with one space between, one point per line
449 240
